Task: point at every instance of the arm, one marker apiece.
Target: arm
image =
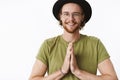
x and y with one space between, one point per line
39 70
106 69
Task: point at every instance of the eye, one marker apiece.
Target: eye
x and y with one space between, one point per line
65 14
76 14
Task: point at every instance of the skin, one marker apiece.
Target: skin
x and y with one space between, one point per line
71 27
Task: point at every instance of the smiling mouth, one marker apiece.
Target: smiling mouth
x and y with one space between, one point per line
71 24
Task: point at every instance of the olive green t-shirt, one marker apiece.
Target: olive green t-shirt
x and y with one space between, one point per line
89 52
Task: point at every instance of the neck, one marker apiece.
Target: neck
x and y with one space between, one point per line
71 37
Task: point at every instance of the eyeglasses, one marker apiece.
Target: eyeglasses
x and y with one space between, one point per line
73 15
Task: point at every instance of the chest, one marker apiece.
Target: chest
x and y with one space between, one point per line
86 56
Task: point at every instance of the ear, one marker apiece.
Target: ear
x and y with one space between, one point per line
82 22
59 16
83 17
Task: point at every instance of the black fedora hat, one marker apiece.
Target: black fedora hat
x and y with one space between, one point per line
83 3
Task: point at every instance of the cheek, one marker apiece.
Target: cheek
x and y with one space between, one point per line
77 21
63 20
80 20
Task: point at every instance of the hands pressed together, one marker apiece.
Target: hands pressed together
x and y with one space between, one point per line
70 62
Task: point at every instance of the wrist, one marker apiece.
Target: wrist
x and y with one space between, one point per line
62 72
77 72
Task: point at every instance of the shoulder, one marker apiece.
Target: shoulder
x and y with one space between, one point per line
90 38
52 40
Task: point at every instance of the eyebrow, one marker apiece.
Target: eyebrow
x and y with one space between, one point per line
73 12
68 12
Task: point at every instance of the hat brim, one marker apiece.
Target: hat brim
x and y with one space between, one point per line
84 5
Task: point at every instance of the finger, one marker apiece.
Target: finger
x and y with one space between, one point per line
70 43
71 55
70 46
68 56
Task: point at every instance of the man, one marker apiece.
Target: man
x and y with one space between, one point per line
72 56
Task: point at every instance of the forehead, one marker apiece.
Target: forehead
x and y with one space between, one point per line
71 7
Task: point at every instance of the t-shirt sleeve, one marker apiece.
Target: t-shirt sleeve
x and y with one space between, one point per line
43 53
102 52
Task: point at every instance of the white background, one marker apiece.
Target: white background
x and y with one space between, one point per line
25 24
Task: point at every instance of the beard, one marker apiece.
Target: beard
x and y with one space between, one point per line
71 30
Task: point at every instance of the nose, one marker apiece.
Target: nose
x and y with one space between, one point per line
71 17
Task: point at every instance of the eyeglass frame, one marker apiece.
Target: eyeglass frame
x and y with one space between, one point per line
67 15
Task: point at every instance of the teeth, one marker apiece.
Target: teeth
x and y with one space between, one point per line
71 24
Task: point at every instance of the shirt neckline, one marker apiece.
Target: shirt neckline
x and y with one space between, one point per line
65 42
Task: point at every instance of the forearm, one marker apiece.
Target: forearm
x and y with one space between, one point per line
55 76
83 75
